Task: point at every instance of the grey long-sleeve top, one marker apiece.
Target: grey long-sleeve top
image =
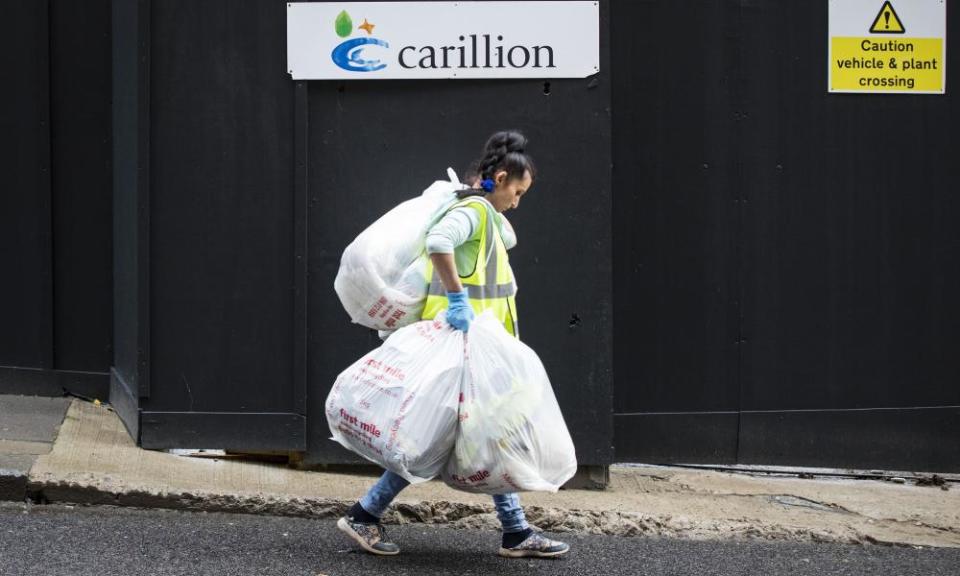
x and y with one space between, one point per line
451 234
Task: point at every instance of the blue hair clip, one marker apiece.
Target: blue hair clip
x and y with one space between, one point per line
487 185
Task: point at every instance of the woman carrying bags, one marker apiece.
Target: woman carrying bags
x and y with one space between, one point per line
470 273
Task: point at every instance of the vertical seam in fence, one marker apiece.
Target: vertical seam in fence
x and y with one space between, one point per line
300 246
143 198
737 100
45 211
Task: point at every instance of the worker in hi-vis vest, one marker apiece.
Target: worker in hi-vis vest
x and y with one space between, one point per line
469 272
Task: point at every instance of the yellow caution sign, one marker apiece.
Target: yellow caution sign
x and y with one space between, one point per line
887 21
870 50
863 65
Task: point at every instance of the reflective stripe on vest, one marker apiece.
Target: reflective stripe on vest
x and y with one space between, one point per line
491 286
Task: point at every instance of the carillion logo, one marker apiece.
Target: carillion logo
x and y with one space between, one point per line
472 51
347 55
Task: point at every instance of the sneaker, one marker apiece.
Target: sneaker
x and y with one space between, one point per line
537 546
372 537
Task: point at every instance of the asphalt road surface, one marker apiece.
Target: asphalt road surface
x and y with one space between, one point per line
51 540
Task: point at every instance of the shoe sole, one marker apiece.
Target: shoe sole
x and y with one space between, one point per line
507 553
344 527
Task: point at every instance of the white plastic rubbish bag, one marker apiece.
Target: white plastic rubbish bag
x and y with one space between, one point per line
397 406
381 281
511 435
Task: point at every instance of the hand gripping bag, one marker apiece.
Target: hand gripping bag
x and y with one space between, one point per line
381 281
397 406
511 435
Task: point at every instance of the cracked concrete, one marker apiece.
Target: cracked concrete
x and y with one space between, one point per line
94 461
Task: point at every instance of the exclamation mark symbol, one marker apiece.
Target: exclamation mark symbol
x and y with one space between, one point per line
887 21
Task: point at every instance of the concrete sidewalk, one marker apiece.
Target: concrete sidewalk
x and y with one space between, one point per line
28 427
93 460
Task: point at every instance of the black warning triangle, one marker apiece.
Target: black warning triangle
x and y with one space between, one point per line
887 21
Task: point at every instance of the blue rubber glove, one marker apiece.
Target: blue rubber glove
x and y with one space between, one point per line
459 310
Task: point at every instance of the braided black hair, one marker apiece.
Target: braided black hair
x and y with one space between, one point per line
505 151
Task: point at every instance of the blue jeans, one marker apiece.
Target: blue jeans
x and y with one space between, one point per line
378 498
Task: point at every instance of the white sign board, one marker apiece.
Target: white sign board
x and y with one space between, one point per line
411 40
887 46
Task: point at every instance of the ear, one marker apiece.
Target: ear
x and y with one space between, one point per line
500 177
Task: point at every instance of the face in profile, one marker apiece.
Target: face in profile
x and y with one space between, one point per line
507 191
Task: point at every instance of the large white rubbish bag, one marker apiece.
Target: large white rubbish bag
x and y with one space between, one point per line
381 281
397 406
511 436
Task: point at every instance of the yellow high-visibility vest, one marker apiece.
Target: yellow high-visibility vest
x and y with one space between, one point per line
491 285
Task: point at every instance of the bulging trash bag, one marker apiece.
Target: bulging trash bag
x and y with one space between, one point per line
381 281
397 406
511 435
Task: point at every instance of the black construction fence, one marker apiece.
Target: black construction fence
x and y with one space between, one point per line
719 262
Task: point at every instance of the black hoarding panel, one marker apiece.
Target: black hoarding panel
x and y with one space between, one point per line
836 267
55 209
852 251
671 437
26 297
851 259
232 431
374 144
675 223
221 209
82 183
130 129
921 439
